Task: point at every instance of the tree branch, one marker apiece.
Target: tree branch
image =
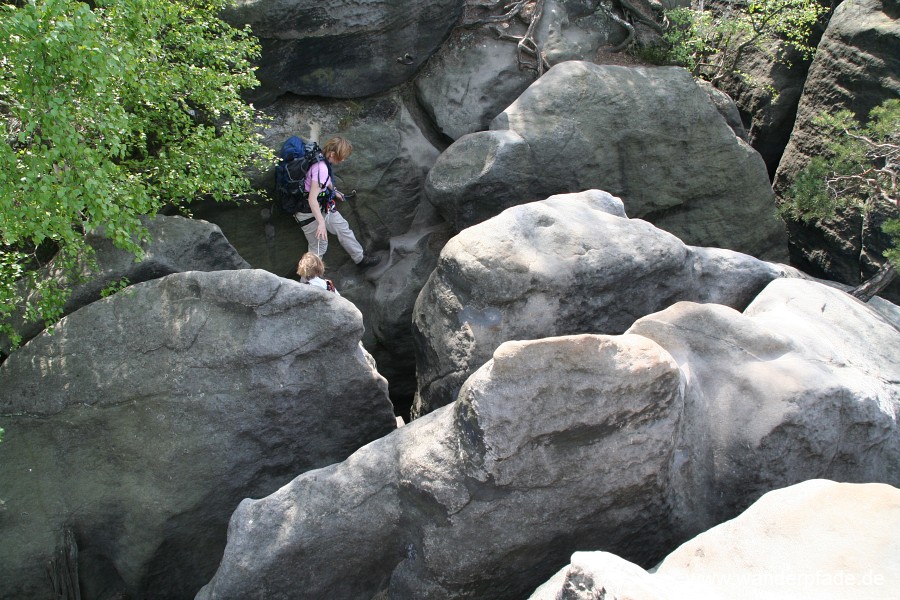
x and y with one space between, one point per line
629 28
870 288
639 16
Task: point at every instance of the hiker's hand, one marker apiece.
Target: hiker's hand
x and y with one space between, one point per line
321 232
339 195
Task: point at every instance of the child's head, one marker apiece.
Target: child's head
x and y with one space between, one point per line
310 266
337 149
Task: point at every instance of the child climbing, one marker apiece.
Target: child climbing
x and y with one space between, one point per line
311 270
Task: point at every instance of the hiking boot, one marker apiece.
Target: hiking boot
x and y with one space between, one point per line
369 260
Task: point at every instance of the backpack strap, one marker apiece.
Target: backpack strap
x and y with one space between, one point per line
326 196
322 185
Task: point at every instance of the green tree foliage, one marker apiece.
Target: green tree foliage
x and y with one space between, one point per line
108 112
710 38
860 169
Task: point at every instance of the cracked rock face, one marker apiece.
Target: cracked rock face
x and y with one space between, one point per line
146 417
856 68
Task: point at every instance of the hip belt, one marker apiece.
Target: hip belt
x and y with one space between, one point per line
304 222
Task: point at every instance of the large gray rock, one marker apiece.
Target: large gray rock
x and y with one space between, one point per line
470 81
342 48
570 264
802 385
146 417
856 67
651 136
480 499
586 441
475 74
817 539
176 244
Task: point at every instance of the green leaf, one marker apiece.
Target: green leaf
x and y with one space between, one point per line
97 131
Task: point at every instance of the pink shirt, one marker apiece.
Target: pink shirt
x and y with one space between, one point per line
319 170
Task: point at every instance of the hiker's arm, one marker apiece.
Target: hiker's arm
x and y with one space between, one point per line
313 200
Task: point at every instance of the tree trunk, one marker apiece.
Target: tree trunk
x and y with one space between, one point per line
869 288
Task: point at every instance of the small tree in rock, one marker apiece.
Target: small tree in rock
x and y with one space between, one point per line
861 171
711 37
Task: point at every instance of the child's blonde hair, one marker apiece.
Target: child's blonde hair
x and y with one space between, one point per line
310 266
341 147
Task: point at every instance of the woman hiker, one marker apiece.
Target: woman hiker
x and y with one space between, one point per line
324 217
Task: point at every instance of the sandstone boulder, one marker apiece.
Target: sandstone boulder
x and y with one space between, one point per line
801 385
816 539
475 75
573 263
475 501
650 136
342 48
176 244
471 79
147 416
580 441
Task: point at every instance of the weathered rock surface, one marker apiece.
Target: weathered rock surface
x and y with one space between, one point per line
726 107
475 75
573 263
856 67
342 48
817 539
177 244
146 417
470 81
803 384
650 136
595 440
767 94
458 504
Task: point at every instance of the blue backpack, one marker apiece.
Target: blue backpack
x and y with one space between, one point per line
296 157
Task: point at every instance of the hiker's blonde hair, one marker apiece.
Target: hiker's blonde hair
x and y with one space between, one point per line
310 266
341 148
